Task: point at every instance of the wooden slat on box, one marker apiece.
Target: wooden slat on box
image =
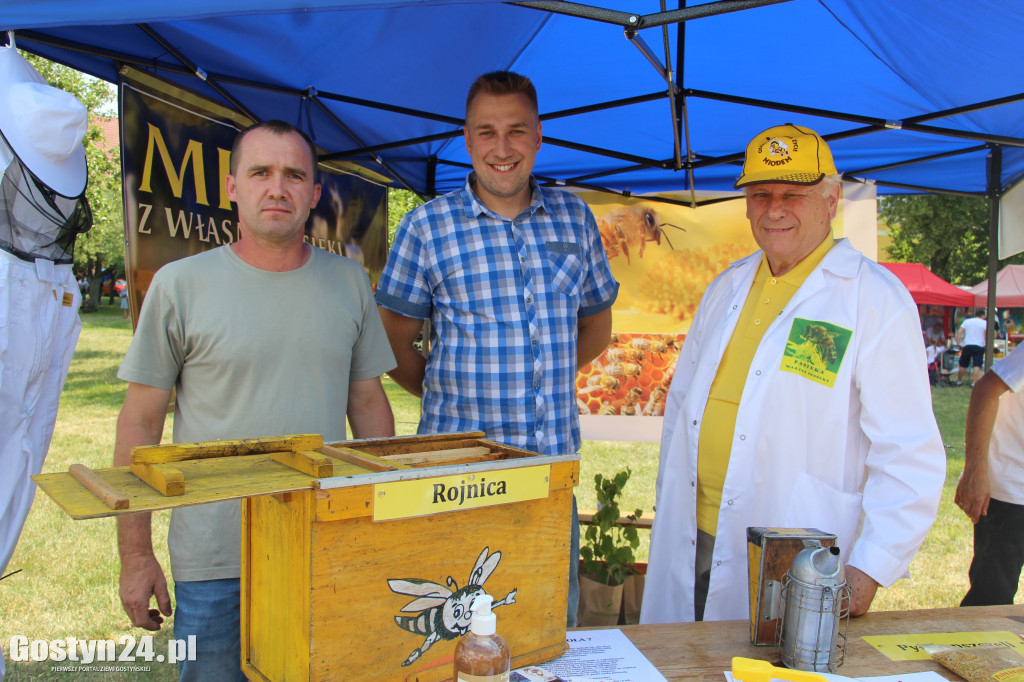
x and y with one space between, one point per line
210 480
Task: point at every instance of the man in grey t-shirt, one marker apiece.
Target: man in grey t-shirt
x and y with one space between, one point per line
265 336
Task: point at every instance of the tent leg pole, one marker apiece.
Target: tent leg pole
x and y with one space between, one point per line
432 176
995 167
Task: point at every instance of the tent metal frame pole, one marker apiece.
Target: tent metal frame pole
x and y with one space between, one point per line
705 161
629 20
547 180
432 175
665 71
782 106
392 108
645 49
683 203
682 113
926 190
544 117
460 122
341 125
610 104
994 169
197 71
604 173
185 69
738 157
622 156
1002 140
114 56
710 9
373 149
967 108
673 95
920 159
672 90
580 11
155 66
873 123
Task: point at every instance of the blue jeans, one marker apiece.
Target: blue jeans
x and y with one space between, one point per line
574 568
998 555
210 610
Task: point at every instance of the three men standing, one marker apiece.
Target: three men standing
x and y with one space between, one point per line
782 410
515 283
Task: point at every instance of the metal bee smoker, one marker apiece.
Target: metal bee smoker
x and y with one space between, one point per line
817 600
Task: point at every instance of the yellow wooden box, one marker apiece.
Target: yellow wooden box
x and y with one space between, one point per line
367 574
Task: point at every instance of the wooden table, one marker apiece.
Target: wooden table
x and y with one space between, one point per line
701 651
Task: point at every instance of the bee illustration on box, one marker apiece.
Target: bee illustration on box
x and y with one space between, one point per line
443 612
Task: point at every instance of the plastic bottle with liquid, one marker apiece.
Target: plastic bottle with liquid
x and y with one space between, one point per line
481 655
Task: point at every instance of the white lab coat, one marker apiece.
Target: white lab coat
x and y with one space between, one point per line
862 459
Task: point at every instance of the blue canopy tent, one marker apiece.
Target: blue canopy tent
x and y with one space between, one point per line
919 95
916 96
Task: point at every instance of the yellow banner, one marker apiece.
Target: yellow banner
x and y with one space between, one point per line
408 499
908 647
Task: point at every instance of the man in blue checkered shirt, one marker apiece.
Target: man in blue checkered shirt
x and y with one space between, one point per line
515 283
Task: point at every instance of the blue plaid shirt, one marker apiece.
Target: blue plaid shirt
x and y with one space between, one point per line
503 297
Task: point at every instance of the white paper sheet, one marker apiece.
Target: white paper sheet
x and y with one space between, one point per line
594 656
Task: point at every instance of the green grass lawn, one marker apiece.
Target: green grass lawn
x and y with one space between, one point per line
67 584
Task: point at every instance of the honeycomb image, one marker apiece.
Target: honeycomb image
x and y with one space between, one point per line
631 377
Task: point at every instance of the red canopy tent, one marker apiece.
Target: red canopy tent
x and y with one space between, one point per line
927 288
1009 289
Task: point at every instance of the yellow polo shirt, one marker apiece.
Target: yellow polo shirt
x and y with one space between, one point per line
766 300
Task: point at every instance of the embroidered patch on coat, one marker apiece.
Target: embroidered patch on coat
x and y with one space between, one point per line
815 350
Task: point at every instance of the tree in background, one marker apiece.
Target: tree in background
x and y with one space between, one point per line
101 249
400 202
948 234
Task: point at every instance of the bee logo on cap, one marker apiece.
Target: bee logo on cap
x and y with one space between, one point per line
786 153
779 150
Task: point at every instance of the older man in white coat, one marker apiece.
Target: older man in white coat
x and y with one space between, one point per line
799 400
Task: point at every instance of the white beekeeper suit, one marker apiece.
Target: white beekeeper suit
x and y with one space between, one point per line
42 180
862 459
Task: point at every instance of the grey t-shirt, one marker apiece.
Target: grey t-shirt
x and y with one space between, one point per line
252 353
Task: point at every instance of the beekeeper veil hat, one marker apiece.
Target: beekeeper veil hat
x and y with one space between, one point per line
43 125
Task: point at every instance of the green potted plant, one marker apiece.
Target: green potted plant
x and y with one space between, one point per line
608 555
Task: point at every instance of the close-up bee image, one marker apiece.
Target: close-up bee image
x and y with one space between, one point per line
632 227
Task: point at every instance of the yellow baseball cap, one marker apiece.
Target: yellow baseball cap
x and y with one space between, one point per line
787 153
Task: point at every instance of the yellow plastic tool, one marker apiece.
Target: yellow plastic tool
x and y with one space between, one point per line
754 670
